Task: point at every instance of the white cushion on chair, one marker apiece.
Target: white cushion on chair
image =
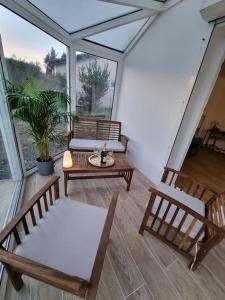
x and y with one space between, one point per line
88 144
182 197
66 238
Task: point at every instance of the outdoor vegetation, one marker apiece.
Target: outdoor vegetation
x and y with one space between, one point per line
93 88
20 72
44 112
94 82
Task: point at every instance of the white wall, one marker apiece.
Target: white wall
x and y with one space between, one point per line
159 74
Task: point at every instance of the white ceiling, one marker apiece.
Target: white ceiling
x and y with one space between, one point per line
118 38
75 15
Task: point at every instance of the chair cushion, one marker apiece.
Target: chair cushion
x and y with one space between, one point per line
182 197
66 238
88 144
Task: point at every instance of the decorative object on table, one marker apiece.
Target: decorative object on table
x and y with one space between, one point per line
43 111
95 160
67 159
103 154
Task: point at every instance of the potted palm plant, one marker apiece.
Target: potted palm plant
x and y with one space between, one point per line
44 111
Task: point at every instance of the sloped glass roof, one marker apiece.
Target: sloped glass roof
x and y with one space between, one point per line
75 15
118 38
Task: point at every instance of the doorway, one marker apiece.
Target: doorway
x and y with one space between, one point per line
205 159
195 124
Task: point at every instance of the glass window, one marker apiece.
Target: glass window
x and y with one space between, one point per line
10 167
7 185
74 15
120 37
95 85
30 53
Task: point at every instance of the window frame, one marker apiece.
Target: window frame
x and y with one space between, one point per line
100 51
14 156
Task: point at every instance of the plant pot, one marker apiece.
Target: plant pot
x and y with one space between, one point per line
45 168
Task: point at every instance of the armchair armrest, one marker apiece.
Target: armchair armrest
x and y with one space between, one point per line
124 140
28 208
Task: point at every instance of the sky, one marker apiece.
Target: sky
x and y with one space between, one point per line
23 40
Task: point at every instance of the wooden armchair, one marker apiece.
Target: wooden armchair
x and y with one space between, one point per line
53 246
186 215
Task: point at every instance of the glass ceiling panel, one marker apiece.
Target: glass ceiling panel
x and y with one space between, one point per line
74 15
118 38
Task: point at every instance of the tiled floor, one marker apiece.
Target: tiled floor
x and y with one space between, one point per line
135 267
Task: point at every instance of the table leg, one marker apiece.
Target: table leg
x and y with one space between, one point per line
65 184
130 174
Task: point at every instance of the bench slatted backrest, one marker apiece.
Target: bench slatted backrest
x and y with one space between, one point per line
91 128
86 128
108 130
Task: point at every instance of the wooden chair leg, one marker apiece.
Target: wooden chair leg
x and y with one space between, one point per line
206 247
147 213
15 277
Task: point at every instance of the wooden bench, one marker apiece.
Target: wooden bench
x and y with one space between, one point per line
59 241
89 134
186 215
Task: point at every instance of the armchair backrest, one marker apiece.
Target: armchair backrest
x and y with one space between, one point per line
216 210
189 185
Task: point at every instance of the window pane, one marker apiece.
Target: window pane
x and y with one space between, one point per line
7 185
30 53
10 171
95 85
120 37
74 15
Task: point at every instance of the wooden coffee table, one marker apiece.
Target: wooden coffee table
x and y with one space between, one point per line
82 169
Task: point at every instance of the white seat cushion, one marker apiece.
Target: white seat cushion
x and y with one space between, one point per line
66 238
113 145
88 144
192 202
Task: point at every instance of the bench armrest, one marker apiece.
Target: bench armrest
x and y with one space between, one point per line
124 140
69 137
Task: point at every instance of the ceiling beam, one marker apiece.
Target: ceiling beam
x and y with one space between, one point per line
213 10
126 19
143 4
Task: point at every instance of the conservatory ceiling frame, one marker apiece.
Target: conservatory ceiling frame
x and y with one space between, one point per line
143 4
38 18
76 41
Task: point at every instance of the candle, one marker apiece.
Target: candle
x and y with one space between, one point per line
67 159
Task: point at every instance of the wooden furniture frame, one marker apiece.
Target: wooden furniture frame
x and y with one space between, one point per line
16 265
211 225
122 168
214 134
99 129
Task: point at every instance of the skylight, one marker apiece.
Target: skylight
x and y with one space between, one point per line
118 38
80 14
